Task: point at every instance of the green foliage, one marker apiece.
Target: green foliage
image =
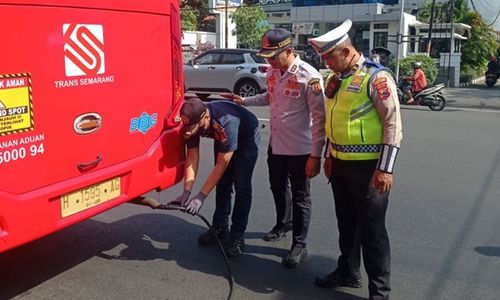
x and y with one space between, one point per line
481 42
406 66
467 73
195 16
442 11
189 20
251 23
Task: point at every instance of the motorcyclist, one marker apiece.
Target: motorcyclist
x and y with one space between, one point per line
493 66
418 82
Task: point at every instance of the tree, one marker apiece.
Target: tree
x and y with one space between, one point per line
195 16
188 17
480 43
442 11
428 66
251 23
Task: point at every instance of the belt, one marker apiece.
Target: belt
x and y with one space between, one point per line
357 148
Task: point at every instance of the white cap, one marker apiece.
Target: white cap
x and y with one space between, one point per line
328 41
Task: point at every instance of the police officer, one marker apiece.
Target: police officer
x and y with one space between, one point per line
363 126
236 136
294 94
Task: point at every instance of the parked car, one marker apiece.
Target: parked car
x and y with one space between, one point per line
238 71
270 1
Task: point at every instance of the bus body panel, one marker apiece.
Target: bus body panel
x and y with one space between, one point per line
88 93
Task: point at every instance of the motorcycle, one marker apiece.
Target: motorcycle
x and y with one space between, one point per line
491 78
430 96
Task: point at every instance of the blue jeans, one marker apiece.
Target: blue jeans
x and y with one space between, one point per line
238 175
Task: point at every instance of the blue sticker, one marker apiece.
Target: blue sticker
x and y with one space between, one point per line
143 123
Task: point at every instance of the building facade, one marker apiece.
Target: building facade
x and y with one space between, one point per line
376 23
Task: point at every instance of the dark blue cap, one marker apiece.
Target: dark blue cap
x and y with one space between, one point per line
274 41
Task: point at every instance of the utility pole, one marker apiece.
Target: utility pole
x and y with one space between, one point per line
452 40
225 25
430 29
400 37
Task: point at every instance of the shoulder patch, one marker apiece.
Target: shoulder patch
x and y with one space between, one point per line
313 81
315 85
380 85
380 80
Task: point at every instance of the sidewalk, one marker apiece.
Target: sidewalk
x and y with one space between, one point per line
476 96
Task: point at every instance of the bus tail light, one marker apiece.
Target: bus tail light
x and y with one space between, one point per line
3 228
177 77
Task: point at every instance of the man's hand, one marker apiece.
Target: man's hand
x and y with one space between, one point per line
180 200
328 167
312 166
236 98
195 204
382 181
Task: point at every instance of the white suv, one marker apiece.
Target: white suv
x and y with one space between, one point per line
238 71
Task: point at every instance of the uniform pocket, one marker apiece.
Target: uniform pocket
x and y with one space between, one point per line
292 93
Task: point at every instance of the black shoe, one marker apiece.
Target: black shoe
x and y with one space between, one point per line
334 279
208 238
276 234
296 256
234 246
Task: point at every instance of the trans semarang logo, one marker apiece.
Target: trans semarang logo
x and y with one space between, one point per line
83 49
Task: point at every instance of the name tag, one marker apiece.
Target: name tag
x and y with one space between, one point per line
356 82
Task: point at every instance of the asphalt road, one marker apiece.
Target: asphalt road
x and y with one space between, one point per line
443 222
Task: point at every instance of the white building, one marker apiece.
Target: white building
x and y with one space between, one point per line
376 23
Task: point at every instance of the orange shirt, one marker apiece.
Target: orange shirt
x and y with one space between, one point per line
419 82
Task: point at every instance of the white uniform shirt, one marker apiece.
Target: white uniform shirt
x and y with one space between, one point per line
297 112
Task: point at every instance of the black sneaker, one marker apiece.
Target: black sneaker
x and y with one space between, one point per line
334 279
276 234
234 246
208 238
296 256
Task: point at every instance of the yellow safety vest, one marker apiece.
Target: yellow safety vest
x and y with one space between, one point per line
353 125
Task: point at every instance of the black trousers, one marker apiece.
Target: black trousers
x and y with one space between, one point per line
361 211
290 187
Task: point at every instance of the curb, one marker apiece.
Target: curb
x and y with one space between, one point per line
473 81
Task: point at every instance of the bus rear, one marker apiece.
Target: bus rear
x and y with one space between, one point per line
89 100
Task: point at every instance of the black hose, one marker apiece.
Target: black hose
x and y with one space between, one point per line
156 205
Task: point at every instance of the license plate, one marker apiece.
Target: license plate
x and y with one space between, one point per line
90 196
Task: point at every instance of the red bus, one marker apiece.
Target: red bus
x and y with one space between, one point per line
89 97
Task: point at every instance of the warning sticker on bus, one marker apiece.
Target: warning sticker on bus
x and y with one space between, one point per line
16 113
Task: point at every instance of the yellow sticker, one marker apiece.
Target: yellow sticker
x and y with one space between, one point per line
16 105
